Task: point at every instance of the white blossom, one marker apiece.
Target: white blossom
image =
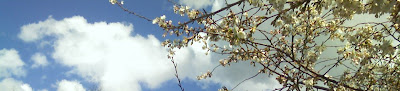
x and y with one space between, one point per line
162 17
155 21
113 1
309 82
242 35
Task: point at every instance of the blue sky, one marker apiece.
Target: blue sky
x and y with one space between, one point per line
67 45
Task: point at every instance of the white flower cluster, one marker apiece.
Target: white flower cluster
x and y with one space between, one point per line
278 4
115 1
379 7
192 14
240 33
161 21
258 3
181 10
309 82
347 8
204 76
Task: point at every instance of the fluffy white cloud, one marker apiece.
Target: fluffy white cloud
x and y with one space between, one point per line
107 53
65 85
9 84
39 60
104 52
11 63
197 4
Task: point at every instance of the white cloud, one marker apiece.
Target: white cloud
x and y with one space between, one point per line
107 53
197 4
9 84
65 85
42 90
104 52
217 5
39 60
26 87
11 63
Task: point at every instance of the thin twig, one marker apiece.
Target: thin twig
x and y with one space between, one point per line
173 2
245 80
131 12
176 74
215 68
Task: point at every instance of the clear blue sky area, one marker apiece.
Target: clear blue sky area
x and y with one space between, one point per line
16 13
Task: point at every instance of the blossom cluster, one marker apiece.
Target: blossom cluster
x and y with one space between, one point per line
307 40
115 1
192 14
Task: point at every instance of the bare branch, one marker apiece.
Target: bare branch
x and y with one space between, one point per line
131 12
176 74
246 80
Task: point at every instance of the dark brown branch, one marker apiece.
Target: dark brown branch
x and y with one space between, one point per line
176 74
131 12
246 80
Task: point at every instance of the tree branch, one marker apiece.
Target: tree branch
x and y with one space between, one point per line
131 12
176 74
245 80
